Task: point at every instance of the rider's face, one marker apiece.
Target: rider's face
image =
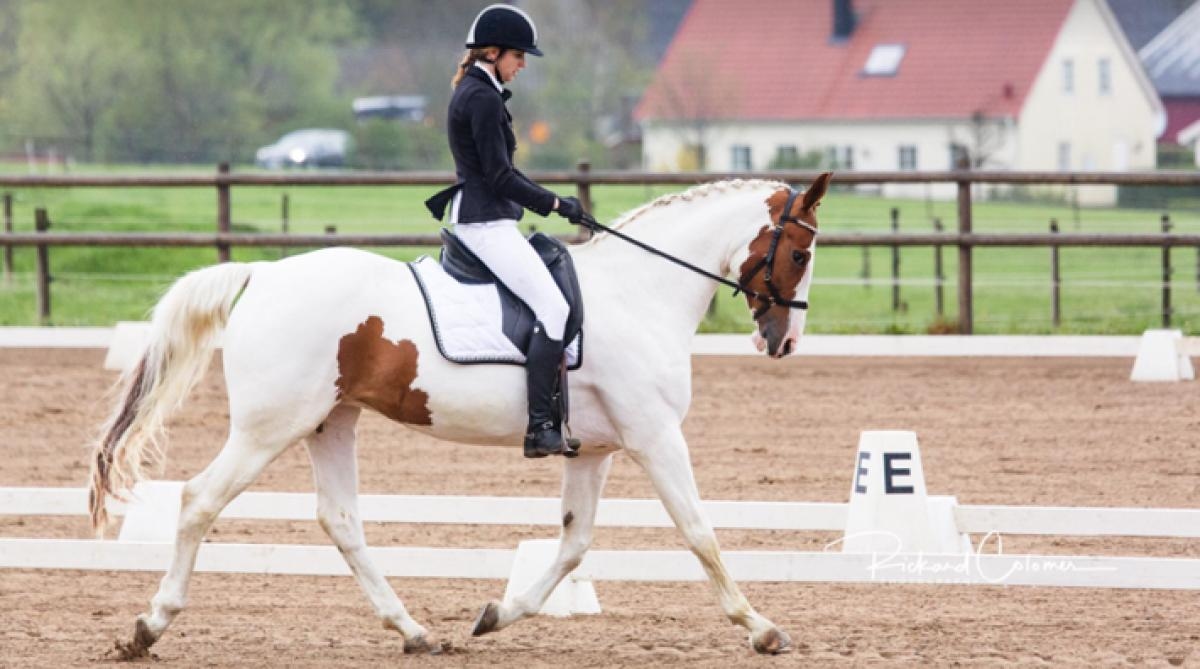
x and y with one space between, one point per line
508 65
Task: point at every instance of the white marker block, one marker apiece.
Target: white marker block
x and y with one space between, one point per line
128 343
890 510
1161 357
152 514
531 562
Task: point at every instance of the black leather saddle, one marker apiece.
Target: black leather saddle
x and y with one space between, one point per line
518 319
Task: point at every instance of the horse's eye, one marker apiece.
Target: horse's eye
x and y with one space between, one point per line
799 258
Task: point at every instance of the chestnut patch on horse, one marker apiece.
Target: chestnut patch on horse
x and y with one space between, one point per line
379 374
802 210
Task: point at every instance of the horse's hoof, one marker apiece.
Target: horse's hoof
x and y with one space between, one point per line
421 646
488 617
772 642
139 647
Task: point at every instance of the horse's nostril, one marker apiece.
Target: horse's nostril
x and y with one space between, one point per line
787 347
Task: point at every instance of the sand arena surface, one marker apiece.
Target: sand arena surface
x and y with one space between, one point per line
1070 432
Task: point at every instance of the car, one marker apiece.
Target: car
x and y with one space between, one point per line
310 147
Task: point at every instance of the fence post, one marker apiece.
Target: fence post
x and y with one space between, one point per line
895 262
1055 280
865 272
285 205
939 278
965 315
41 223
223 222
583 189
8 228
1166 273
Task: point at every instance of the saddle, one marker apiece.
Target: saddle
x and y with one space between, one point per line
463 296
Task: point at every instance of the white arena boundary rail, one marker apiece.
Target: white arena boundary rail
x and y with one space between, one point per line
144 543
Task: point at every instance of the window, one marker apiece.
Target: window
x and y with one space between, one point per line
1068 76
787 157
884 60
1064 156
908 157
1105 76
839 157
959 156
741 158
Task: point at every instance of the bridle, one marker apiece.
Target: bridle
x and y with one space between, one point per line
773 298
768 263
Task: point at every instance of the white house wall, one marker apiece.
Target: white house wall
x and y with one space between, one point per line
876 146
1113 132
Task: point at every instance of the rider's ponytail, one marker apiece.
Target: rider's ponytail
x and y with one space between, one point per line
469 58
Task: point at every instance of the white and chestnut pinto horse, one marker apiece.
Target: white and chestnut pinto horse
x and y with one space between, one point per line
317 337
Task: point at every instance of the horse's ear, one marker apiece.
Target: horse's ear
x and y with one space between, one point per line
812 196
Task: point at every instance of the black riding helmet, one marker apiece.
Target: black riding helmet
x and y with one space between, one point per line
504 26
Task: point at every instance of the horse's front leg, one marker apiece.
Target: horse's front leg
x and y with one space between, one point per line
664 456
583 480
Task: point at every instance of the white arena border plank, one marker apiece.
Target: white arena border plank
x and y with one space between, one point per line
739 344
56 337
456 509
618 565
1090 346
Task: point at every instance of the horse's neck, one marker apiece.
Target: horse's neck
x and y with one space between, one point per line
707 232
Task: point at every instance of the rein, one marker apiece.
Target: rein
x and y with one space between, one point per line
774 298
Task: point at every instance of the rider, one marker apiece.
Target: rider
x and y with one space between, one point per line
487 201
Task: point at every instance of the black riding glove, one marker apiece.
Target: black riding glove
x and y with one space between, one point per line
571 209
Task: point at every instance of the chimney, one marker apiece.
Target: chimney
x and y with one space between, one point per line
844 20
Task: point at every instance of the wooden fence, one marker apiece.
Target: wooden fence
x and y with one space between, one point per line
963 238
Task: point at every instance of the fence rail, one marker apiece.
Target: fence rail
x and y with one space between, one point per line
599 177
827 239
964 240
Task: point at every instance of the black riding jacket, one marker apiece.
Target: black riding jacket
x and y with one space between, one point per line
482 142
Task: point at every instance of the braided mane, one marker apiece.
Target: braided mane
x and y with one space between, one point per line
698 191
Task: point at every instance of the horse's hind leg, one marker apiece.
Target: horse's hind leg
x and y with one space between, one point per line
583 480
204 496
335 471
665 459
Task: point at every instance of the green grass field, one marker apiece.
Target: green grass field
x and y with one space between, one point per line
1105 291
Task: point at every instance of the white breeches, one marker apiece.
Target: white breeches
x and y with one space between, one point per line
500 245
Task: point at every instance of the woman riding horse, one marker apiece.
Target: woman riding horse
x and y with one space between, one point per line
487 202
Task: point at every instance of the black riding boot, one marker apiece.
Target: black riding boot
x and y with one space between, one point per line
544 436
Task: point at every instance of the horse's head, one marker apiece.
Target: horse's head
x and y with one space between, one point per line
780 266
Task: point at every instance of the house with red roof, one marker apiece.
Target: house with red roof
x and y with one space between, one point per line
1172 60
901 85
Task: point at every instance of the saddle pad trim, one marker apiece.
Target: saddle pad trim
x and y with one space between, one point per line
465 359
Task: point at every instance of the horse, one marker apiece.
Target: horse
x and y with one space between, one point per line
314 339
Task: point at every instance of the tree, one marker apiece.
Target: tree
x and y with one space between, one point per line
68 75
188 80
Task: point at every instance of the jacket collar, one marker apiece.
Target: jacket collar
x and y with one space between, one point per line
483 75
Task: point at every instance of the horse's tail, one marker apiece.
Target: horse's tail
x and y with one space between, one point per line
183 331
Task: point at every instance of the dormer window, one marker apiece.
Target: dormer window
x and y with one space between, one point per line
884 60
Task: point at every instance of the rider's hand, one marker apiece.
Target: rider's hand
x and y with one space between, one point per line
571 209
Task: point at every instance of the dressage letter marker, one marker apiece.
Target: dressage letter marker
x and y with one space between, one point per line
890 510
1161 358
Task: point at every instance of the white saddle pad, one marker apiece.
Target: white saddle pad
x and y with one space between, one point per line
467 319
